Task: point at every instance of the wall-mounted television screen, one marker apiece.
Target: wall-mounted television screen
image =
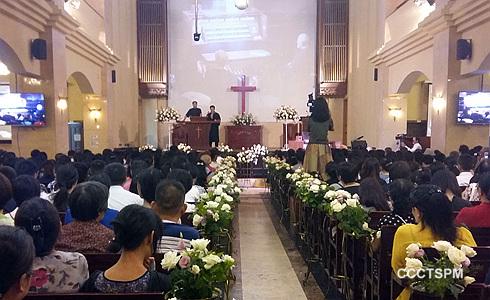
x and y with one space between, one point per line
473 108
25 109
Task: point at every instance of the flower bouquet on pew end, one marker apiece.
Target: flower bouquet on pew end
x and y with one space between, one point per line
197 273
347 211
442 275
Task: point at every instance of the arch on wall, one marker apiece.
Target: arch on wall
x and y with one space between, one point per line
82 82
10 58
409 81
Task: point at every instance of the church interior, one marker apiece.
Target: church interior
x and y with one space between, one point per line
293 131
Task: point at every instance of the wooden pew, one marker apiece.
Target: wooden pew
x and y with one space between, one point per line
93 296
378 267
100 261
481 236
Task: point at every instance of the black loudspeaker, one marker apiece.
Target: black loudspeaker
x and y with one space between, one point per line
113 76
463 49
375 74
39 49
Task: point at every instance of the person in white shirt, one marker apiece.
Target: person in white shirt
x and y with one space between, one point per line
118 196
466 163
416 145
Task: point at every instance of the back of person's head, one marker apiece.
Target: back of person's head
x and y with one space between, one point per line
331 169
169 197
25 187
214 152
400 170
399 192
435 211
319 110
66 179
96 167
16 257
135 225
484 185
347 172
137 166
9 172
439 156
436 167
370 168
101 178
446 180
182 176
180 162
198 172
82 170
116 172
483 166
147 180
88 201
422 176
5 190
371 194
26 167
464 149
41 220
466 162
427 159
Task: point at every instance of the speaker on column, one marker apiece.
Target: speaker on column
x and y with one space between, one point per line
39 49
463 49
113 76
375 75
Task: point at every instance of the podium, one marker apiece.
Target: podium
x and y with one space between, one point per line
194 133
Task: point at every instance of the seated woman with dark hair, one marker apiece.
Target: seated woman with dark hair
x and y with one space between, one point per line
137 231
478 216
88 204
53 271
16 256
447 182
5 196
433 214
372 195
399 192
66 180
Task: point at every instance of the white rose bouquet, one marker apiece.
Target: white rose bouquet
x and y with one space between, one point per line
285 113
167 114
184 148
311 191
224 149
196 272
213 213
441 275
147 147
347 211
243 120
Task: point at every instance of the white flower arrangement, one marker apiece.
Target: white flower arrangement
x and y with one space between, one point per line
243 120
259 150
167 114
225 149
277 164
285 113
451 258
147 147
184 148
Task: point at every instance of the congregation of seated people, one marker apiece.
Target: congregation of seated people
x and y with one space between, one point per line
55 212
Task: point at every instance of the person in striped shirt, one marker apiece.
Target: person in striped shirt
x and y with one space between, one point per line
170 206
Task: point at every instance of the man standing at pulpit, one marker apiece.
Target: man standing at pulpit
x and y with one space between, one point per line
214 130
194 111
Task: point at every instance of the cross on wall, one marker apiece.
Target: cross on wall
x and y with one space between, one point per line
243 89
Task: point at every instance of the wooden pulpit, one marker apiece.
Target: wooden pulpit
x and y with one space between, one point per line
194 133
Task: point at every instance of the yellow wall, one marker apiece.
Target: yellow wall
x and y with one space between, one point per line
417 102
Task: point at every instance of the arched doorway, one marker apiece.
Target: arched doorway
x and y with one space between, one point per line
80 94
417 90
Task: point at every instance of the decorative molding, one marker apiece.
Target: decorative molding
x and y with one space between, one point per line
463 17
38 15
153 89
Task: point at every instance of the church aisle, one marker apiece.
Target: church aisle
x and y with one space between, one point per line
266 271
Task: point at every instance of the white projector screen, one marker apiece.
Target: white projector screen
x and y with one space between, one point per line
272 42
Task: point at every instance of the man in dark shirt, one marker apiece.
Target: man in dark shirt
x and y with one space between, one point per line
194 111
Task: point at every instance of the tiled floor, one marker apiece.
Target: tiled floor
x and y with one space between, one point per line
265 269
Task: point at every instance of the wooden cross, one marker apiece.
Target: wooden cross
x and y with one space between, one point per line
243 89
198 132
